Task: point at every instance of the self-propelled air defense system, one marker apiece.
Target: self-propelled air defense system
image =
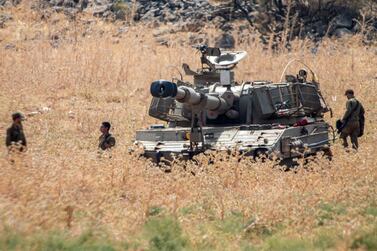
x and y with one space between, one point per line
217 113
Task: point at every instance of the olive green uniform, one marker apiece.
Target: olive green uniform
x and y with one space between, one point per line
106 141
15 137
352 127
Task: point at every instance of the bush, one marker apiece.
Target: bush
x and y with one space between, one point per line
122 10
329 211
165 234
366 240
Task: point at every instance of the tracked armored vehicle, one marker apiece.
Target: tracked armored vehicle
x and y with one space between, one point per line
217 113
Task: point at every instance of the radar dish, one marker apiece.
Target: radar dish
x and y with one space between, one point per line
227 58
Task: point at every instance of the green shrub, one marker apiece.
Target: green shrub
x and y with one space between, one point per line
281 244
372 210
165 234
326 239
232 223
10 241
122 10
154 211
329 211
366 240
54 241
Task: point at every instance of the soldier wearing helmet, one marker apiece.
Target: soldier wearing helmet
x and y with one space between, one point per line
15 138
352 121
302 75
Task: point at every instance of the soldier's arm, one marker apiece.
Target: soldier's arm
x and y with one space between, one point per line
8 139
23 140
349 107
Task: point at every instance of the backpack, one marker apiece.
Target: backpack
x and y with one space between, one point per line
361 120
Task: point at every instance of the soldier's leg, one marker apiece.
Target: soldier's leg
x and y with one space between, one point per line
355 143
354 138
343 136
11 155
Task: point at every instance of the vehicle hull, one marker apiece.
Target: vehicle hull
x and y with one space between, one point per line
274 141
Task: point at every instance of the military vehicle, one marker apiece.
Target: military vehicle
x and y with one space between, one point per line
217 113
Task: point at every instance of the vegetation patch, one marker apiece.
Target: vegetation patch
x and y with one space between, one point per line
329 211
283 244
165 233
371 210
326 239
154 211
232 224
55 241
366 239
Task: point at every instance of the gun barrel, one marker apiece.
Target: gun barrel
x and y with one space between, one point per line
184 94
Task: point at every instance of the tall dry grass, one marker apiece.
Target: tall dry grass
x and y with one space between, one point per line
62 183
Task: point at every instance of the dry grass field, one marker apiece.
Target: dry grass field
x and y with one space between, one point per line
62 195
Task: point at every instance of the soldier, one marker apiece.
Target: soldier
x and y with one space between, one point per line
302 75
106 140
15 138
351 120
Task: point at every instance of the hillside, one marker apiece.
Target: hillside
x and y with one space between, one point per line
276 22
68 74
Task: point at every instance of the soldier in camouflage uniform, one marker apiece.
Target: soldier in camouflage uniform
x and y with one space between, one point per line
15 139
106 140
351 120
